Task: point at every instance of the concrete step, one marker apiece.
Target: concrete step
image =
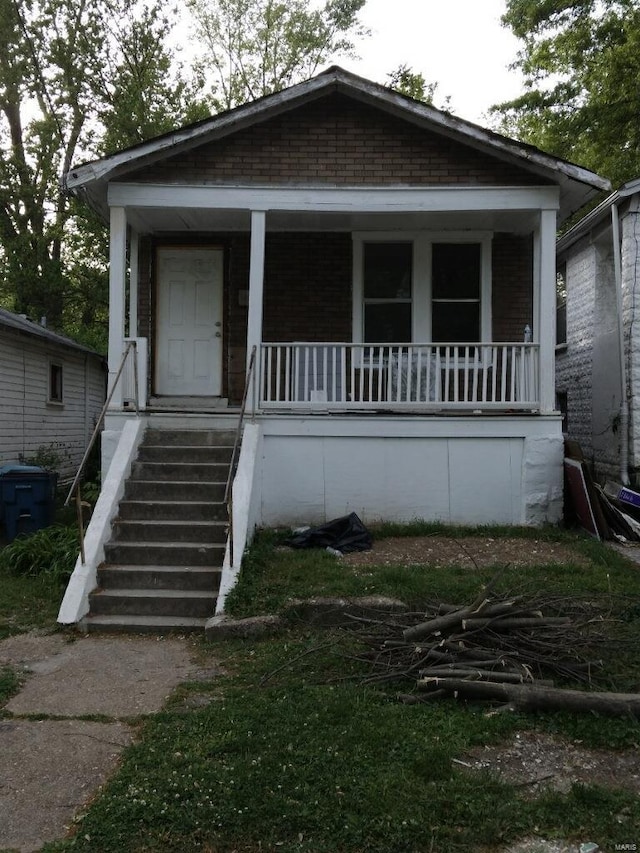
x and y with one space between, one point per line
205 437
172 511
202 578
164 553
191 532
137 624
210 472
156 602
175 490
194 454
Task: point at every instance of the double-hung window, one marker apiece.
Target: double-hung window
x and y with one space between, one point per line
422 287
456 292
387 291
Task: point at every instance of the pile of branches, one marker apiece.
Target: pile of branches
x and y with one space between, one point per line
507 650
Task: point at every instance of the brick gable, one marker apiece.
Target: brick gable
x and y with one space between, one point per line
335 140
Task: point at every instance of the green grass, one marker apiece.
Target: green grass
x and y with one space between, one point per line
273 573
288 751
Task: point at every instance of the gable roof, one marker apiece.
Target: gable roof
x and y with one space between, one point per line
19 323
577 185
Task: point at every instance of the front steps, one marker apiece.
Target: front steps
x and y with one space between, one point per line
164 560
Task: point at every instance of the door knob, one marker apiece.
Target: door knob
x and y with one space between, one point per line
218 334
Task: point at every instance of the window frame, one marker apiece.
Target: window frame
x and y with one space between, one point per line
421 285
55 398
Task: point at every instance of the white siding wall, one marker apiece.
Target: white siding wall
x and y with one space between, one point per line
27 420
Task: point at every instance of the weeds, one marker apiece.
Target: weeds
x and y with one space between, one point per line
51 551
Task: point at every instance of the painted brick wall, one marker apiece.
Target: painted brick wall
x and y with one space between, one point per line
335 140
631 314
574 364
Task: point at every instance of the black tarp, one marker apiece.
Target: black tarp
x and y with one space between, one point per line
344 534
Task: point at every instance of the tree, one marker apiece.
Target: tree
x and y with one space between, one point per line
67 67
413 84
581 63
256 47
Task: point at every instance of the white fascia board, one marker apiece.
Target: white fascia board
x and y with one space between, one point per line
331 199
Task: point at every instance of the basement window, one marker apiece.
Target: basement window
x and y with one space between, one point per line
55 383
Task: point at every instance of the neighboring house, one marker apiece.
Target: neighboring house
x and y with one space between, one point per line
52 390
598 363
391 266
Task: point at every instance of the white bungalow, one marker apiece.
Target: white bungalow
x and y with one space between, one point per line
392 268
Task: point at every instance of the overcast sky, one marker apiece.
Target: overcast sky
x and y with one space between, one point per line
460 44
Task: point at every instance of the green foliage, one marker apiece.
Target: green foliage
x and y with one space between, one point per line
581 63
51 551
75 78
413 84
256 47
47 456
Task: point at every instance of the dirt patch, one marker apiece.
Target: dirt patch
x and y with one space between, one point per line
471 551
536 761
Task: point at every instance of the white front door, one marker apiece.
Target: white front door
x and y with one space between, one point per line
189 326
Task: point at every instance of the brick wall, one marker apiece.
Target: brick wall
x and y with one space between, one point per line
512 291
631 309
574 363
308 291
335 140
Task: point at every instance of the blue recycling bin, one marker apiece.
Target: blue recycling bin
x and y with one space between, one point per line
27 498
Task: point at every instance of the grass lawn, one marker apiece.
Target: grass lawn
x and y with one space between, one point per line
288 751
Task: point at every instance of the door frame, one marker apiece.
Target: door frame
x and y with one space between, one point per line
155 293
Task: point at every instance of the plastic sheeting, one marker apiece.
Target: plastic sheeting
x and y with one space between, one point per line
344 534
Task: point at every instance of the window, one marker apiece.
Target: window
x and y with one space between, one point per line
387 286
455 292
55 382
422 287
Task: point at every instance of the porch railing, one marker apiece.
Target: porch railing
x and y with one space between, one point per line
399 377
128 362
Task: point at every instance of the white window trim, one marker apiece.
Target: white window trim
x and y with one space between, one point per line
421 285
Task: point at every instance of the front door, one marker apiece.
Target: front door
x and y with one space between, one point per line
189 324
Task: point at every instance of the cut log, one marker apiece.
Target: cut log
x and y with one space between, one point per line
538 698
515 623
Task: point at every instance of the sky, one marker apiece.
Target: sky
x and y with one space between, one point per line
460 44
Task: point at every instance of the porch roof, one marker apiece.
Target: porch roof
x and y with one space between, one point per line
576 184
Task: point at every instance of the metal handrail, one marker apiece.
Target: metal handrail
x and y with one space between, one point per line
75 486
228 491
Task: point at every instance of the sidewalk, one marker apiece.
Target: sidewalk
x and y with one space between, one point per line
52 766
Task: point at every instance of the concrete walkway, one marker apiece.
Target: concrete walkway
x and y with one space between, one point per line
52 766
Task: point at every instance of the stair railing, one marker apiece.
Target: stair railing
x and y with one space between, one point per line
250 382
76 486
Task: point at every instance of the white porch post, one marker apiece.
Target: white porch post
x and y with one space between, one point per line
256 288
117 279
133 284
545 310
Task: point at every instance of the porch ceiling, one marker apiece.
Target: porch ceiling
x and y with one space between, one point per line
150 220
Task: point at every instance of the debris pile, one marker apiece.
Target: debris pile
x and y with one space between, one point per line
498 649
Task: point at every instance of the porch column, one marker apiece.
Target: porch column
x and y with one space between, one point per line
256 287
545 310
133 284
117 279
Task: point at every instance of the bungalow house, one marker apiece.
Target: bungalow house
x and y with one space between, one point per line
52 391
598 352
362 285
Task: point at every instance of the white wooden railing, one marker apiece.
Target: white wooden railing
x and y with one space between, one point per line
399 377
